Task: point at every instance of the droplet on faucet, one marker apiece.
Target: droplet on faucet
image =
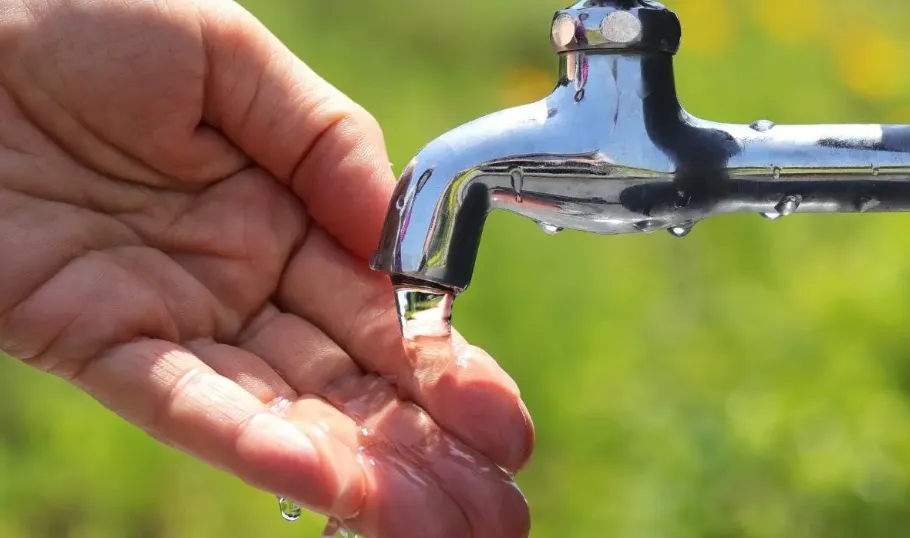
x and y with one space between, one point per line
867 203
762 125
649 225
789 205
681 230
549 229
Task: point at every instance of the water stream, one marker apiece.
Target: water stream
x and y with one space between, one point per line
424 313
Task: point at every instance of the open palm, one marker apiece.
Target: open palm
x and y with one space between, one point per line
185 215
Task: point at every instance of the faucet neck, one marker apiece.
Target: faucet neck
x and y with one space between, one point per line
620 88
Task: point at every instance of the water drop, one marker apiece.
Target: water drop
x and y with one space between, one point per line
549 229
762 125
517 183
788 205
290 510
775 171
681 230
424 312
867 203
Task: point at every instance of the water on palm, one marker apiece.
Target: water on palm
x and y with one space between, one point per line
422 313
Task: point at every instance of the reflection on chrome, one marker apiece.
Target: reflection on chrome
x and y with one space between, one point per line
612 151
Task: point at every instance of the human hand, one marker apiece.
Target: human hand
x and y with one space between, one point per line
186 211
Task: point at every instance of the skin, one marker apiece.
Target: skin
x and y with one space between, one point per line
186 214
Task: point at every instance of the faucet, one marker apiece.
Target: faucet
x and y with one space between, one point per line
612 151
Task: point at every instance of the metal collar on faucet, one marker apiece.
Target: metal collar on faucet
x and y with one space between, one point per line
630 26
612 151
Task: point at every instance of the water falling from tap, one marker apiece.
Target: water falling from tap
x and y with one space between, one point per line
424 312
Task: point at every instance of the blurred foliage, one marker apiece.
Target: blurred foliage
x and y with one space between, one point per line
749 381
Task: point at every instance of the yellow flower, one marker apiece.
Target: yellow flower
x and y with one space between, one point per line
708 25
792 26
870 63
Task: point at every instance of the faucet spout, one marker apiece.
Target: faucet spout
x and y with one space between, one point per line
565 161
612 151
434 225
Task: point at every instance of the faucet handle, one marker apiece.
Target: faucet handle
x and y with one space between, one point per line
630 26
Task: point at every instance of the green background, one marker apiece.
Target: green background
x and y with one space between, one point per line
750 380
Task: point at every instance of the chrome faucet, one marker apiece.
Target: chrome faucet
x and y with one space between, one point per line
612 151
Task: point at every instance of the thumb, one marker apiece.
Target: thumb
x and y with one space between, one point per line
326 148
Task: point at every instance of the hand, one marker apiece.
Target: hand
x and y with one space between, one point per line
186 211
